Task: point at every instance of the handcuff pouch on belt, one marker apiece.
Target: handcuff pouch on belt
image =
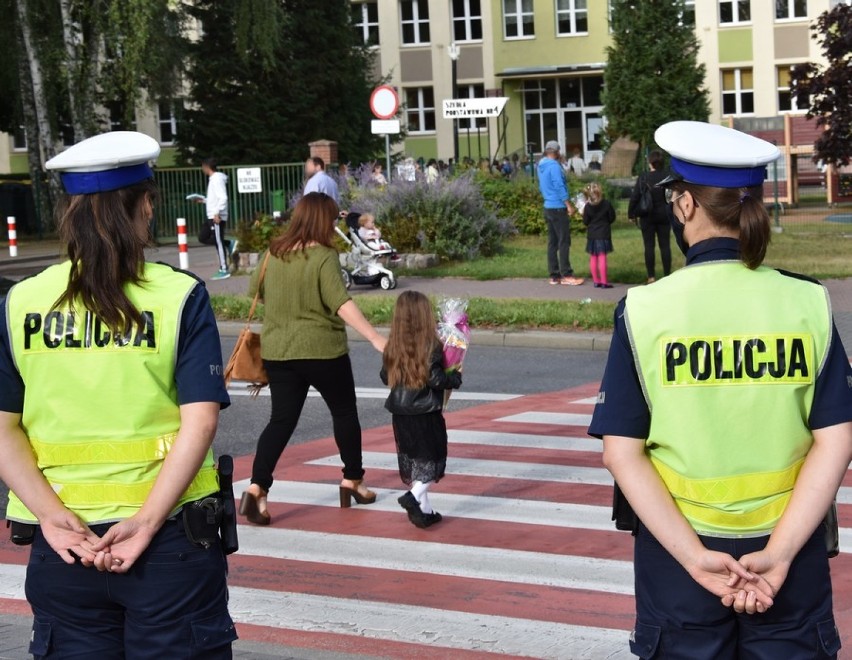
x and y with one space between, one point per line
202 519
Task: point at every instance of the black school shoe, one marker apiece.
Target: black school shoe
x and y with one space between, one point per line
412 506
432 518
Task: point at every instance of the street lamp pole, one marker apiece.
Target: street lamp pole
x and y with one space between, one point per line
454 51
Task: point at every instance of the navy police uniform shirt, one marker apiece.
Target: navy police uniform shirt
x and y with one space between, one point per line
198 372
622 410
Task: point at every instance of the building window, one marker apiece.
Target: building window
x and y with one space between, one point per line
518 19
791 9
572 17
118 117
365 19
476 91
467 20
687 16
19 139
168 118
559 109
737 92
415 21
734 11
786 101
420 109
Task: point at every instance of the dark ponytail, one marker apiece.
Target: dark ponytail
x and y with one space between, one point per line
755 230
738 210
106 246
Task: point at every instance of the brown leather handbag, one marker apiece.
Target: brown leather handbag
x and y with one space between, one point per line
245 363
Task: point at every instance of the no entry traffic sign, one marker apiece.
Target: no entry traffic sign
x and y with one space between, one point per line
384 102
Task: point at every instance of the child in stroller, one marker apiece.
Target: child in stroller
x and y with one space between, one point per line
370 234
366 261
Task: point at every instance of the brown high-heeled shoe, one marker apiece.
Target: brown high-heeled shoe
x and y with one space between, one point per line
361 493
250 508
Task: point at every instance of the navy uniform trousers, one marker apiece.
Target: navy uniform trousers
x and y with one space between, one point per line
172 604
677 618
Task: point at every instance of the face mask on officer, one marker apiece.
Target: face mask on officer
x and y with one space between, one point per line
677 228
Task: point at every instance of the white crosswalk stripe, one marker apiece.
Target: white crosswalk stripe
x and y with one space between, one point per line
523 440
240 389
471 467
558 418
498 509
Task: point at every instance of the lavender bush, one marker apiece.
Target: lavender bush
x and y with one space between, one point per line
449 217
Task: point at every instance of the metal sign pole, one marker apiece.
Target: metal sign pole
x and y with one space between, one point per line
387 156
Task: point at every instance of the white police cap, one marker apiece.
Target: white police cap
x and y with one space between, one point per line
713 155
104 162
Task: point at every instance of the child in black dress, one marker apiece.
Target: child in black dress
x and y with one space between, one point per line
412 367
598 216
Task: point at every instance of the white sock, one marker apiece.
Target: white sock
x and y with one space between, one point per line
419 489
425 506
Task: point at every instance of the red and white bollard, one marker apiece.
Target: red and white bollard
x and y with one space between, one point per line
182 248
13 236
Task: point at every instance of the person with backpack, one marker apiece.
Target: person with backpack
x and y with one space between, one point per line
648 204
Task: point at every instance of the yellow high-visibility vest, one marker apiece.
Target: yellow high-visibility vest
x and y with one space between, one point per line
728 359
100 411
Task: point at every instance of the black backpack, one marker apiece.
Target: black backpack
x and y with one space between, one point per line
646 201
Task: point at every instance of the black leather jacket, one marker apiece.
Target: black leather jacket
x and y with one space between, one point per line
405 401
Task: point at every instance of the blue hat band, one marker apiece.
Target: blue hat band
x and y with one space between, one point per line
85 183
719 177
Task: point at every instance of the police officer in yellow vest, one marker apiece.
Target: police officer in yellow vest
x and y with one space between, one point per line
726 415
110 390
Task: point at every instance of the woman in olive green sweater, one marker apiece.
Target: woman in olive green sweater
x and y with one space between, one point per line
303 344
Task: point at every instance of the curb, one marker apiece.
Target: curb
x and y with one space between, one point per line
583 341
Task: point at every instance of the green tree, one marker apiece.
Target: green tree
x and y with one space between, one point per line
253 105
652 74
827 91
74 56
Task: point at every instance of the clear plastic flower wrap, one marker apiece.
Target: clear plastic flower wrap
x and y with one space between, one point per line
453 331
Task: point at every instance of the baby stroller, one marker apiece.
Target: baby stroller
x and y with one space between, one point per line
363 264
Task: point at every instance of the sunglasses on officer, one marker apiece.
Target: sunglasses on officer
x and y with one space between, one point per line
672 196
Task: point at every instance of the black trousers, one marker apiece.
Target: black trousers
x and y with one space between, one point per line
173 603
660 231
214 234
677 619
558 242
289 381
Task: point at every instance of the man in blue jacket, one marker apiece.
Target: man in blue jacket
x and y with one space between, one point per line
557 209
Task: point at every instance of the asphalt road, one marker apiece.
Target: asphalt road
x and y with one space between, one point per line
488 371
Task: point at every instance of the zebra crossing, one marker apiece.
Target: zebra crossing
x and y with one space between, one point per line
525 564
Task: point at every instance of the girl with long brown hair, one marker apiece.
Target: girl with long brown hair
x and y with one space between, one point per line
412 367
303 345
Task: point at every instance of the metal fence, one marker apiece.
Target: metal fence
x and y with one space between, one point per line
278 184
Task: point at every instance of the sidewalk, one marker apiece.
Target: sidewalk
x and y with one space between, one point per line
35 255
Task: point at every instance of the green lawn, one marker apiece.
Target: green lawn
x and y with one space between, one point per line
484 312
823 254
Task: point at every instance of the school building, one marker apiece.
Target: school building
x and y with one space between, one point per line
548 58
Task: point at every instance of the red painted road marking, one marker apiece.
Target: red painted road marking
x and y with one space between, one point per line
434 592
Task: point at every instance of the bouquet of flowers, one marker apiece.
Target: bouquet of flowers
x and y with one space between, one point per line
454 333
